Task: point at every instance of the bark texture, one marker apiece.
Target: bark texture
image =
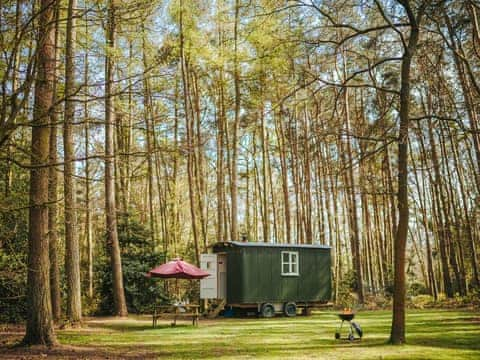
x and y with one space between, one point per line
72 251
120 305
397 335
39 318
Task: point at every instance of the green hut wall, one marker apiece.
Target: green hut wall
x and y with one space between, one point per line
254 273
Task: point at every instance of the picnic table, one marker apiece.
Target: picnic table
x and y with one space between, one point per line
176 311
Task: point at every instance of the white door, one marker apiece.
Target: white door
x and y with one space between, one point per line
222 276
208 286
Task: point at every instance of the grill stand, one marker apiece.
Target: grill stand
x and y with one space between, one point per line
351 335
353 328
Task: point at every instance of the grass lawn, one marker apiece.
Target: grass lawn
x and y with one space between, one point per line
431 334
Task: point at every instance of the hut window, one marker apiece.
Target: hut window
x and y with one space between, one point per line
289 263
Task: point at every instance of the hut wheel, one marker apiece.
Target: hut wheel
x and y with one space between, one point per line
267 310
290 309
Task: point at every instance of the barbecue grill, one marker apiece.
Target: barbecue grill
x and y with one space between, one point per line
353 327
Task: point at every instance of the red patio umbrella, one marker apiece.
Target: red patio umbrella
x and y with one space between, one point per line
178 269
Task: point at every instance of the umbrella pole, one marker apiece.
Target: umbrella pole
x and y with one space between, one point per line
176 290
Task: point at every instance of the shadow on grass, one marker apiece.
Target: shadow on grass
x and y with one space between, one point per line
464 341
429 335
133 327
181 347
79 352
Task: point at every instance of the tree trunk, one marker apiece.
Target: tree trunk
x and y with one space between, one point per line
39 329
72 251
430 272
284 174
307 175
120 305
397 335
234 145
52 196
189 135
352 203
265 207
443 218
221 235
199 162
88 221
148 117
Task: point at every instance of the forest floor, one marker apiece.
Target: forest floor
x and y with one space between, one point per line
431 334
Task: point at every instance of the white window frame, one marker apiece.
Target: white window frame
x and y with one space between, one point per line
290 263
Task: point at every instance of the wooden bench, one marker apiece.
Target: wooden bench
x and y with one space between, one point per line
187 311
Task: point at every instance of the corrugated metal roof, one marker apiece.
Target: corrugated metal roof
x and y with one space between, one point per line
263 244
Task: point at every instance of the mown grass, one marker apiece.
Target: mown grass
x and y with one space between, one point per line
431 334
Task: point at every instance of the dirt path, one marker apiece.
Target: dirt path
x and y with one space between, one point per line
10 335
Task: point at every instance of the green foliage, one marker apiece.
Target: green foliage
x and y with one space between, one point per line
13 281
417 288
389 282
13 269
346 287
423 301
138 257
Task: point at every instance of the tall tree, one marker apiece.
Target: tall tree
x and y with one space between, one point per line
72 251
189 120
148 116
120 305
397 335
52 192
88 221
39 328
236 122
352 198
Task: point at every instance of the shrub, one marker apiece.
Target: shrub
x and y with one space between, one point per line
346 298
417 288
138 256
13 268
